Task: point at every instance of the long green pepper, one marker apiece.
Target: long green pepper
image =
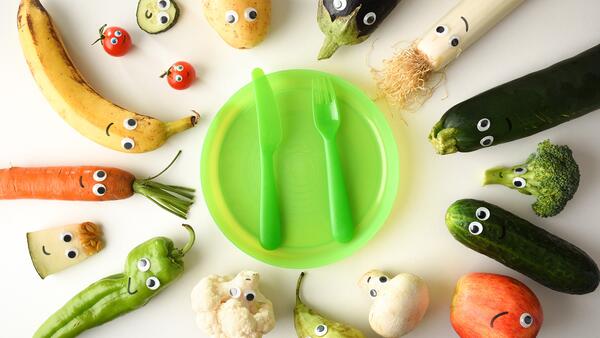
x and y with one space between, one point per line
150 267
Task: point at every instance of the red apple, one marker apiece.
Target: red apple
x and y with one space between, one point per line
494 306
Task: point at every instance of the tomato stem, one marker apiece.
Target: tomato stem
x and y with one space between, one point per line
101 31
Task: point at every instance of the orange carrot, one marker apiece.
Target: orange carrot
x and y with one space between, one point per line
91 183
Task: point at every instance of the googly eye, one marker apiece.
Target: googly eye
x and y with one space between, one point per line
519 182
250 14
66 237
163 4
179 68
152 283
487 141
526 320
340 5
235 292
163 18
483 124
231 17
441 30
71 253
143 264
520 170
482 213
100 175
178 78
130 124
373 293
127 143
250 296
370 18
475 228
114 41
118 34
454 41
383 279
99 189
321 330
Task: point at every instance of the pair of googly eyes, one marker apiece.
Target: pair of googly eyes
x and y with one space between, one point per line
382 280
179 68
99 189
519 182
250 14
143 265
482 214
129 124
67 237
163 17
369 18
484 125
442 30
114 40
237 293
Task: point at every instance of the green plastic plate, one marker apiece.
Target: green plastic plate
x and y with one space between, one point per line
230 171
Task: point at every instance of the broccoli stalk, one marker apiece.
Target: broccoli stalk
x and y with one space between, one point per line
550 174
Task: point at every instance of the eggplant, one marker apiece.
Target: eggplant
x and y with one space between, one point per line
350 22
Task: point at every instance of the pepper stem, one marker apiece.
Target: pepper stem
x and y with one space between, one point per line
298 285
190 243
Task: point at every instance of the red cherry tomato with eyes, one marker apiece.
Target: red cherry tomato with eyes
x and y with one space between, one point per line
180 75
115 40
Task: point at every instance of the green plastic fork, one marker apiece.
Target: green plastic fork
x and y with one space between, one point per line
327 121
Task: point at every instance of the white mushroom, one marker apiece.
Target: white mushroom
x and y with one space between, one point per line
399 303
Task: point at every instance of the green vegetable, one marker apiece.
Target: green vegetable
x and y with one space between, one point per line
308 323
522 246
157 16
551 174
522 107
150 267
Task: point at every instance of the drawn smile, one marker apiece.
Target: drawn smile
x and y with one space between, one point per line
81 182
466 23
148 14
496 317
503 231
129 287
44 251
107 128
509 124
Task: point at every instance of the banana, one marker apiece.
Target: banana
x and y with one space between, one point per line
75 100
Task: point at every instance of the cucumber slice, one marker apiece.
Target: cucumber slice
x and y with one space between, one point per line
157 16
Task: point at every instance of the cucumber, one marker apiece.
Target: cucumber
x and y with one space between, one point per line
522 107
522 246
157 16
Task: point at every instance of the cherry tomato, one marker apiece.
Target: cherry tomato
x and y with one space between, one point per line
180 75
115 40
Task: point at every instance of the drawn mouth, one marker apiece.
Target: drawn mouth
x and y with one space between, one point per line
496 317
129 287
503 231
107 128
509 124
81 182
44 251
148 14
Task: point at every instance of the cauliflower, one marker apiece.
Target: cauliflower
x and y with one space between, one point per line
229 307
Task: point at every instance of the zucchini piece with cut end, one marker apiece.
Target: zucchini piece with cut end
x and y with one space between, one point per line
53 250
522 246
157 16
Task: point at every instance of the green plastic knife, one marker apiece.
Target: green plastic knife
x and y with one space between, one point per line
269 136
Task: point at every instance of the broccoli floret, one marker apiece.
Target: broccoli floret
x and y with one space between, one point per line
550 174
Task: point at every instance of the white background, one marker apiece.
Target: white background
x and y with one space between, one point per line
415 239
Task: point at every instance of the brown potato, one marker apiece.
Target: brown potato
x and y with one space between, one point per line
241 23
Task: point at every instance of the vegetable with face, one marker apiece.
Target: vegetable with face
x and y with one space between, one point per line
404 79
488 305
550 174
53 250
522 107
91 183
157 16
350 22
310 324
241 23
115 40
180 75
399 303
149 268
232 307
522 246
76 101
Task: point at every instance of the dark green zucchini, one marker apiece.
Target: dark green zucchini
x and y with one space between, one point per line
157 16
522 107
522 246
349 22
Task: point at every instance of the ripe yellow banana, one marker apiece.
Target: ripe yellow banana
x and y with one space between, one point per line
75 101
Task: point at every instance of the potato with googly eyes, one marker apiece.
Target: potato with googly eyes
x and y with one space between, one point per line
157 16
242 24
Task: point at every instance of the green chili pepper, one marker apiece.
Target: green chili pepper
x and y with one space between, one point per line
150 267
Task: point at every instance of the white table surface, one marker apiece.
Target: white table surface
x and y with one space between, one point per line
414 239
